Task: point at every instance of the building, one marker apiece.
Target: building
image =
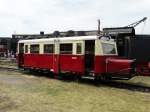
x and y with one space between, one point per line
5 46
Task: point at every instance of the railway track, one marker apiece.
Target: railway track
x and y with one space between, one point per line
127 86
9 68
114 84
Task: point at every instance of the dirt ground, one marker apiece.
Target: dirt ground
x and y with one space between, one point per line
24 92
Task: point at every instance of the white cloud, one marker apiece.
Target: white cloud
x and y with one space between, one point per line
32 16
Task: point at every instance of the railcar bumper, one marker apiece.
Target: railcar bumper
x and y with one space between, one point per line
121 67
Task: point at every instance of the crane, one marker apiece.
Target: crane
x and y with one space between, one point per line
137 22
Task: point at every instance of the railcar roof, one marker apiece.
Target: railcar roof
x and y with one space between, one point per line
60 39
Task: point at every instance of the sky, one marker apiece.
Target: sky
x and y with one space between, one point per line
33 16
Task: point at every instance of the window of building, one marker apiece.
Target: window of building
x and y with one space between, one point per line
79 48
65 48
34 49
48 48
26 48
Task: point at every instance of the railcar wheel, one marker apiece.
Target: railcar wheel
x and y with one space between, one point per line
77 78
56 76
97 79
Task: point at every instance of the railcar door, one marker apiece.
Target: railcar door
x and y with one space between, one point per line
89 55
21 55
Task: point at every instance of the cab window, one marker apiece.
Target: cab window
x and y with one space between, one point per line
109 48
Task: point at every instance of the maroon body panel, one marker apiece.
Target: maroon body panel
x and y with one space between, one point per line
112 65
56 63
76 63
119 66
72 63
44 61
20 60
100 63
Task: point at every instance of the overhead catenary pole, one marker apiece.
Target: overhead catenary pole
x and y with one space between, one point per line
98 27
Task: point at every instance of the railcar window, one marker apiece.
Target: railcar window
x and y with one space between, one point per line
21 48
48 48
108 48
79 48
65 48
26 48
34 49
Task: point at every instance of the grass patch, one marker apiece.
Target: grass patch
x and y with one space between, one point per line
21 92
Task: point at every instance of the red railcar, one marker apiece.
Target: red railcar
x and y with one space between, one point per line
83 56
